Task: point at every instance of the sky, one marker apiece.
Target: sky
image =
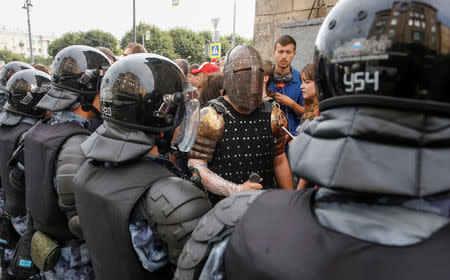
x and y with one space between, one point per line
55 17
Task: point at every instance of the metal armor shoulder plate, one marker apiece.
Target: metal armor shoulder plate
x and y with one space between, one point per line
223 217
69 161
174 207
278 120
210 132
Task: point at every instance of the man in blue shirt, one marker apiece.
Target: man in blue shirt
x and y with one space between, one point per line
287 82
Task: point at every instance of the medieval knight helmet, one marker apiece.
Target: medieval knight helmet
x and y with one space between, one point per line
77 72
24 90
244 77
149 92
387 53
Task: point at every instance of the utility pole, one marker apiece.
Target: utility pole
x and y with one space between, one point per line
27 6
233 39
134 20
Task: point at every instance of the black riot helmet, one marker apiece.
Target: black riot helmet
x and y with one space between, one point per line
386 53
10 69
76 77
24 90
149 92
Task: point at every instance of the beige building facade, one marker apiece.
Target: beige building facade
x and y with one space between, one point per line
18 42
270 15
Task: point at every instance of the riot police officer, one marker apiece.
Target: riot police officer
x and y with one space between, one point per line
379 149
144 212
23 91
57 246
5 74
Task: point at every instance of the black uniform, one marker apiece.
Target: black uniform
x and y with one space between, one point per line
120 193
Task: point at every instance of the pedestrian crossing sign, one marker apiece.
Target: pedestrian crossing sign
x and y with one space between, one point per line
175 3
147 35
214 50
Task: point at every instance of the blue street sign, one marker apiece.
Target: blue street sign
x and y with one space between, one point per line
214 50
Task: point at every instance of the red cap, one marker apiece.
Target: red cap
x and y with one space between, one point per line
206 68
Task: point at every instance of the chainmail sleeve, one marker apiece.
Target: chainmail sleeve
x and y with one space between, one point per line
213 182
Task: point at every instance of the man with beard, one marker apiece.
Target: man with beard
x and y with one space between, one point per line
286 81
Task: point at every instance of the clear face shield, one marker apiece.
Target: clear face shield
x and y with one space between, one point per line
188 129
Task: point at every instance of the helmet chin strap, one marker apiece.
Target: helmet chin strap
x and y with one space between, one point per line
86 105
164 143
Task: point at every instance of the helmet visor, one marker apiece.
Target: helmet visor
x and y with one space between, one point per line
188 129
2 89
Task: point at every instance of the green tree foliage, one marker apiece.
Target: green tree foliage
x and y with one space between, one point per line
8 56
206 36
93 38
47 61
160 41
187 44
98 38
226 42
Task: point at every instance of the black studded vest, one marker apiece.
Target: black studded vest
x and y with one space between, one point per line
246 147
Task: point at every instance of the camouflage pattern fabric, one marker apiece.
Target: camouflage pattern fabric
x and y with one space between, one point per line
73 264
147 246
20 224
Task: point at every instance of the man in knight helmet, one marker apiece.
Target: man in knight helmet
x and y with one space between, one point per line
240 134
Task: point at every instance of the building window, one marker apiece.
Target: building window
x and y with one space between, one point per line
394 21
391 33
433 28
424 25
417 35
433 40
381 22
410 22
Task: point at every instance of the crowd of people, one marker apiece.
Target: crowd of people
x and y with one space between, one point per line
140 167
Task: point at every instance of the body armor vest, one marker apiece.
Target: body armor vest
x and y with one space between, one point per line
308 250
105 197
246 146
9 137
42 145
